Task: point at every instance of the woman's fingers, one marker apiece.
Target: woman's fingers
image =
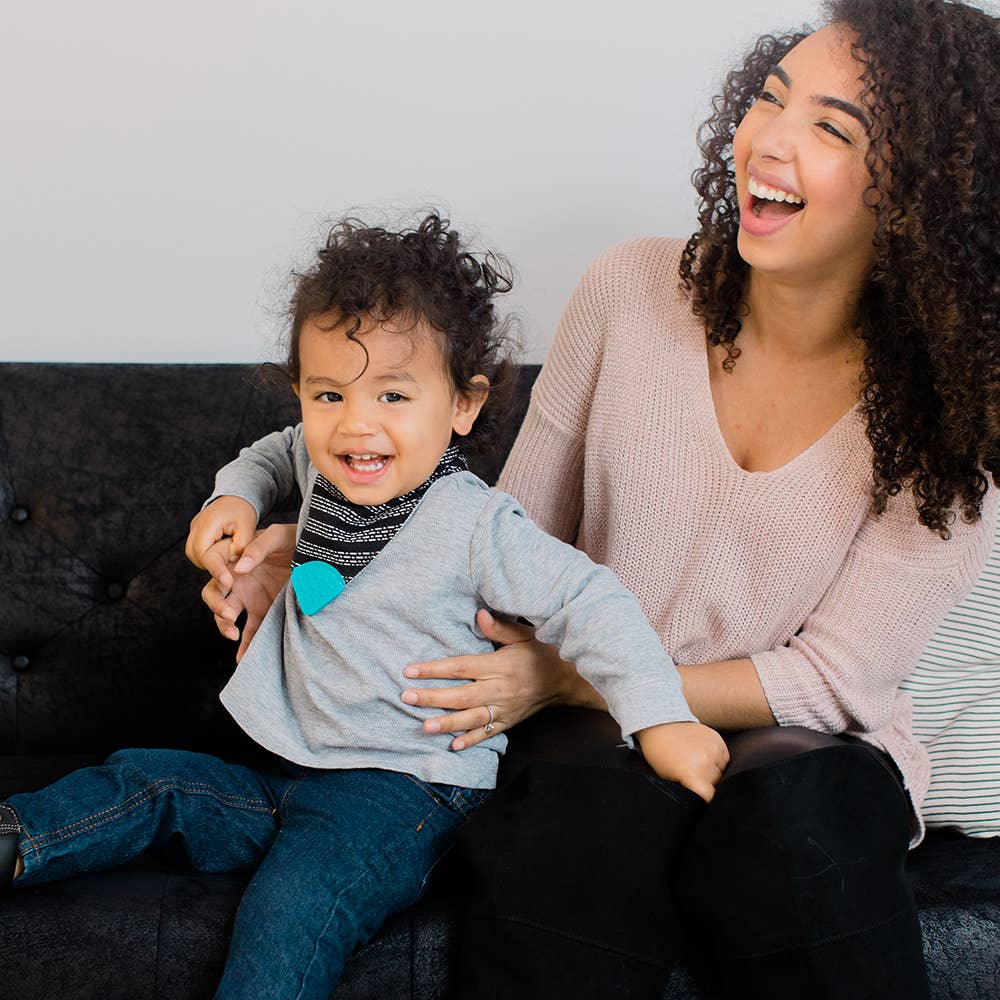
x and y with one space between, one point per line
502 632
274 541
226 607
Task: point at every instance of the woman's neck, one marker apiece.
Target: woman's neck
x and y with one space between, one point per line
801 323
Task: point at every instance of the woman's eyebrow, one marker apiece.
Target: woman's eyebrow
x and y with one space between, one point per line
825 100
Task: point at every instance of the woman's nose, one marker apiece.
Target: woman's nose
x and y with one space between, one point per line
775 140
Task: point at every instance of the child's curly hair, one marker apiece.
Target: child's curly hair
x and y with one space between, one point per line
420 274
930 315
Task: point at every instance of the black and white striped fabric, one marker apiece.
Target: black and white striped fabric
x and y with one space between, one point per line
347 535
956 709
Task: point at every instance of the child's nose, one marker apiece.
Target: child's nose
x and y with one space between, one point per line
357 418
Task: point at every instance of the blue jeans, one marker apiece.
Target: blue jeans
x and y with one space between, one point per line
335 852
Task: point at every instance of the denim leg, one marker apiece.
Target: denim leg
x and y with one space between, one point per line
354 847
219 815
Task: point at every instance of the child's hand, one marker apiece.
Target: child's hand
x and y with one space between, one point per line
686 752
230 517
258 577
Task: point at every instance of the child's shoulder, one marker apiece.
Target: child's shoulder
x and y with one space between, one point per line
466 493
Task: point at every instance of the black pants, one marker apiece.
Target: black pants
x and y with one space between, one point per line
587 876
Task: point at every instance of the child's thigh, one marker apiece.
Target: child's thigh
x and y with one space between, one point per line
379 826
353 848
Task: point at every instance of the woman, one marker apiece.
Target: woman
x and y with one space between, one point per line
784 459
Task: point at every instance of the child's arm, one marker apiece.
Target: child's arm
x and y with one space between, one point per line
597 624
580 607
689 753
245 490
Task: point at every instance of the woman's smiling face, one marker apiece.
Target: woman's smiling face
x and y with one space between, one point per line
799 157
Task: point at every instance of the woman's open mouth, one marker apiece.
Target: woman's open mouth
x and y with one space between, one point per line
767 209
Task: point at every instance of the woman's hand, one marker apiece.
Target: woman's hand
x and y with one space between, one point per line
519 679
256 579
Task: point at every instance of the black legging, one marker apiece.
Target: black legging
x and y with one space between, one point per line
587 875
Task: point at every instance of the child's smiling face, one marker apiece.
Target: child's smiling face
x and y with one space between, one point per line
378 434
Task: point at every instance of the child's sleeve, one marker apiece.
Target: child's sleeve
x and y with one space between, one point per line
581 607
266 473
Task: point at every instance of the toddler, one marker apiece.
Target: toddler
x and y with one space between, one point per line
394 350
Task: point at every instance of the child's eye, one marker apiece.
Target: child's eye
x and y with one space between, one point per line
329 397
392 397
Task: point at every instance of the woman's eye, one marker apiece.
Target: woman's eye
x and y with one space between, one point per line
766 95
392 397
827 127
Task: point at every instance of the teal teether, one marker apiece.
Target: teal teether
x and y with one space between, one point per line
316 584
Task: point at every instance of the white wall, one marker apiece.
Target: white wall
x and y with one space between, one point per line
165 165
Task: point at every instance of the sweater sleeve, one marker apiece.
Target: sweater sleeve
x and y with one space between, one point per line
842 670
581 607
265 473
545 467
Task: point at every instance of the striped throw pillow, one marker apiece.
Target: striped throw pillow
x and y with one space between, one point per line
956 709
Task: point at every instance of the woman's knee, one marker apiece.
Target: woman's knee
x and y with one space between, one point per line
757 747
803 846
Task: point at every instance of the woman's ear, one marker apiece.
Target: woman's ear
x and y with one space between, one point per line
468 405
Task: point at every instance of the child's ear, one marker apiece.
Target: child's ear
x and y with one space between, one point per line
468 405
295 389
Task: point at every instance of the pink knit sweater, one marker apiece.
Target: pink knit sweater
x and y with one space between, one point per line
621 449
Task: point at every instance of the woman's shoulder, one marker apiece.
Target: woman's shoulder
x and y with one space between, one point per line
641 258
637 277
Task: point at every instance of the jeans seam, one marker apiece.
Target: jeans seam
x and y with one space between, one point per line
280 808
319 937
137 799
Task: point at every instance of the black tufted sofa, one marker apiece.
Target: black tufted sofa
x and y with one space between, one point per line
104 643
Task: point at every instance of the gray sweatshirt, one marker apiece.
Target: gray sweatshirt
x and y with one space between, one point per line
324 690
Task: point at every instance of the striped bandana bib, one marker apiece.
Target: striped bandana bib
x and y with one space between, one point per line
349 536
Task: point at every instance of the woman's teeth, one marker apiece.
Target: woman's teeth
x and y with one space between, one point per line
772 194
367 463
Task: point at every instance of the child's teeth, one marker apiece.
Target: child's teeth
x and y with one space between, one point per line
358 462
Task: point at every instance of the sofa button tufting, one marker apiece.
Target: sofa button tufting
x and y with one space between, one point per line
20 663
115 591
19 514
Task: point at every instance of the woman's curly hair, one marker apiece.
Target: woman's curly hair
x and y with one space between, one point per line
423 274
929 317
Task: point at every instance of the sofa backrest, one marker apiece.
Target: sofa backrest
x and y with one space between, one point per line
104 640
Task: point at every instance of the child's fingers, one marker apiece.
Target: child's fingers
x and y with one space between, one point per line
241 533
703 789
